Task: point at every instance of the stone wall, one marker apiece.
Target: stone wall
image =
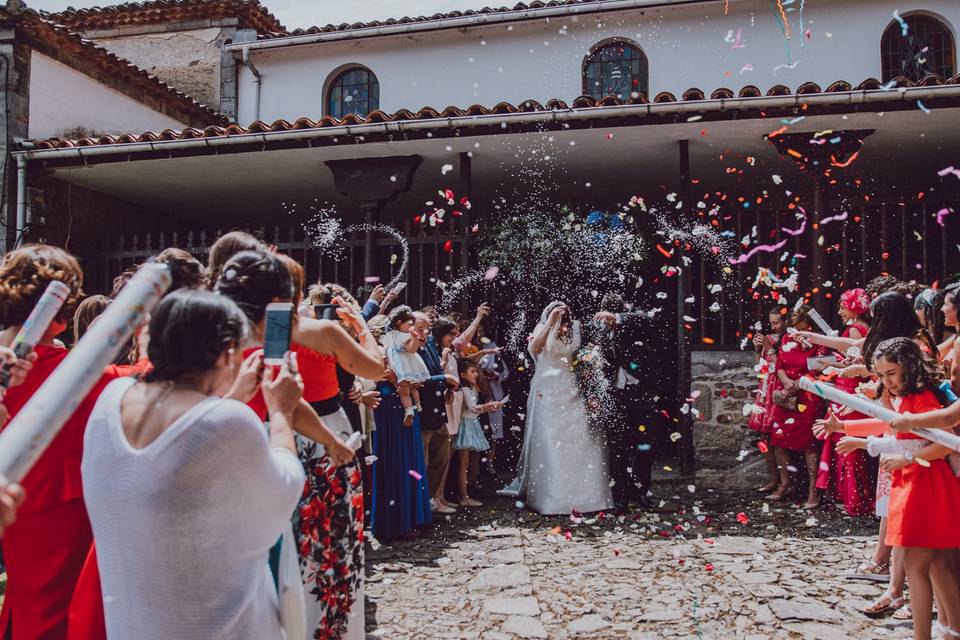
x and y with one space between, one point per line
187 57
724 381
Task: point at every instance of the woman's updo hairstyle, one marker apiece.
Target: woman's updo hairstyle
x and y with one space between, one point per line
227 246
254 279
24 276
186 271
189 330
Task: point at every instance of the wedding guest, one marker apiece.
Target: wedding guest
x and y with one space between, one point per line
224 248
401 502
469 438
402 347
760 420
795 410
254 279
496 372
11 497
923 484
171 445
186 271
88 311
46 547
849 478
438 433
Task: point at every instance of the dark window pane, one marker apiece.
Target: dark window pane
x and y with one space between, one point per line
928 48
616 69
353 91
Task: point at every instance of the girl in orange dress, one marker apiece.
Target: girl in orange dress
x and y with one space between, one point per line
922 521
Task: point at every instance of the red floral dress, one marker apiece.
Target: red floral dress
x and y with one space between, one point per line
791 429
851 478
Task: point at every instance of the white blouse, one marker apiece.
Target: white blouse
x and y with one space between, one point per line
184 525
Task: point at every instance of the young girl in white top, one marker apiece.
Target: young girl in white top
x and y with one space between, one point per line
470 435
401 347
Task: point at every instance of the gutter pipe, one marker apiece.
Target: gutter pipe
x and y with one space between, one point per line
21 198
257 79
462 22
556 116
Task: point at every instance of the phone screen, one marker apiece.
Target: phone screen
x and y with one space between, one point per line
276 340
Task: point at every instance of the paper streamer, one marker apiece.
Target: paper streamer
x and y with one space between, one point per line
769 248
38 423
35 326
874 410
821 323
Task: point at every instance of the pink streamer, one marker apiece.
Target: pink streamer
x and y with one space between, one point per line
943 214
842 216
948 171
769 248
801 229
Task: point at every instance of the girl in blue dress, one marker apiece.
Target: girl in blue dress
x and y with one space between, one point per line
470 436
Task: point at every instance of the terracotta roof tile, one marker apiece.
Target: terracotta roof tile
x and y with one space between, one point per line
107 68
693 94
250 13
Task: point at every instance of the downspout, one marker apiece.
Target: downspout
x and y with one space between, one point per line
257 80
21 198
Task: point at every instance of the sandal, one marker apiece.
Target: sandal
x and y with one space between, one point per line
948 632
884 605
903 613
872 570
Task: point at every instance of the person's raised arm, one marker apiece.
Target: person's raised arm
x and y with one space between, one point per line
831 342
460 342
327 337
542 331
945 418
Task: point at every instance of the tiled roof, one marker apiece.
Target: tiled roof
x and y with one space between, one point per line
691 96
107 68
250 13
520 6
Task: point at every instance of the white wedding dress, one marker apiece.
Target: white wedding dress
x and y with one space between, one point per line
563 464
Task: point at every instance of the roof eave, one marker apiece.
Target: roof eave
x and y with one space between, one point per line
502 121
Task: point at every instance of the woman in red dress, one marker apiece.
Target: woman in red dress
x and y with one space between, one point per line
47 545
766 347
849 478
922 521
795 410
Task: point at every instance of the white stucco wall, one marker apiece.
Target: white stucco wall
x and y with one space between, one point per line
63 100
538 59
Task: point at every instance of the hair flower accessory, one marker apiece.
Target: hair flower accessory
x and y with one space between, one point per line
229 274
856 301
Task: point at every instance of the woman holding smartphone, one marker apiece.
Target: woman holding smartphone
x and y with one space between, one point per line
329 518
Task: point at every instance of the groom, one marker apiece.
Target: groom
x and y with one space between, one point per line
621 343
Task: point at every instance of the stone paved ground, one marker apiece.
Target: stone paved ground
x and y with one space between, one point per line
688 569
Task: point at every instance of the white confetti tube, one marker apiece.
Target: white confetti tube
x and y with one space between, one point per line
355 440
35 326
821 323
874 410
37 424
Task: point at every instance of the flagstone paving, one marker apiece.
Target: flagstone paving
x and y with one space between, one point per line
685 570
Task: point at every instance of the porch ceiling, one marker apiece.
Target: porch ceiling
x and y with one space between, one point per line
597 166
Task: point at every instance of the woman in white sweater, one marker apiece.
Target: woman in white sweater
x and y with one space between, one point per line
185 490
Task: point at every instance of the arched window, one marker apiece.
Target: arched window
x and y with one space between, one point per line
927 48
615 68
354 90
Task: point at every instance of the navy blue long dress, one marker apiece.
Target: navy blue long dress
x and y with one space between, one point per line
400 501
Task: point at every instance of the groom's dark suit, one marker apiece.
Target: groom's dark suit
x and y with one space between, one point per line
628 447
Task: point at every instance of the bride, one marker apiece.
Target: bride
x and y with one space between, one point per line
563 464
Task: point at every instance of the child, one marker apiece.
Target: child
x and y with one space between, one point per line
470 435
401 347
922 519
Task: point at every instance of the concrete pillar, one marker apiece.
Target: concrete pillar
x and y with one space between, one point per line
14 124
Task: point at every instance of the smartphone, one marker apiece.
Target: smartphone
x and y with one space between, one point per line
279 324
400 286
326 311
